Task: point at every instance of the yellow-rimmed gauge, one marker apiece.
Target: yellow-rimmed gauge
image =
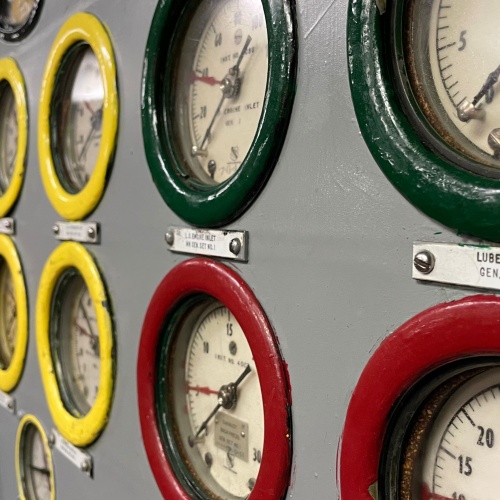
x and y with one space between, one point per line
78 116
34 470
13 133
75 343
13 316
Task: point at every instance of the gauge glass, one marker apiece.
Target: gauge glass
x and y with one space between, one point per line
78 117
8 136
219 87
35 465
15 13
8 317
76 340
451 51
214 393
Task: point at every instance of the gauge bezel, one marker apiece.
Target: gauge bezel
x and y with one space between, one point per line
456 197
80 430
188 280
192 200
16 34
11 75
80 29
464 331
26 421
10 377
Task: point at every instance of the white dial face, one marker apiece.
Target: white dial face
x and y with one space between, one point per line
79 345
36 468
221 88
219 408
8 317
82 121
19 11
463 449
8 136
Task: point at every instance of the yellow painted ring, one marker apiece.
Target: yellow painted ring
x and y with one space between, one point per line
10 72
10 376
85 28
79 430
25 421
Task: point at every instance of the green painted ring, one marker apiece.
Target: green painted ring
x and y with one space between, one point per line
199 204
465 202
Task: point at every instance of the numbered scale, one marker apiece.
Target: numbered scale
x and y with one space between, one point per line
34 470
433 124
434 392
218 432
78 116
75 343
217 97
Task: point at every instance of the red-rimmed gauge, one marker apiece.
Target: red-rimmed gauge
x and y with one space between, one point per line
214 400
422 421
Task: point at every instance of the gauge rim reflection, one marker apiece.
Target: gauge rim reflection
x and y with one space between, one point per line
80 430
433 185
24 424
198 203
204 276
10 377
16 34
81 28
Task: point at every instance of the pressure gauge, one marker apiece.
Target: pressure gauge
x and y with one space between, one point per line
78 116
8 136
18 18
13 316
215 425
217 93
75 343
35 475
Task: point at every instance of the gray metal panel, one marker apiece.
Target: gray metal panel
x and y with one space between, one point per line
330 252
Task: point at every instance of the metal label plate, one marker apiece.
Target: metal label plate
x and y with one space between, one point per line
80 459
7 225
83 232
231 435
214 243
456 264
8 402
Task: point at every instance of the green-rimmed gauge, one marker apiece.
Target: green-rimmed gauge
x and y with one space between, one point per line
217 95
18 18
75 343
78 116
424 82
34 470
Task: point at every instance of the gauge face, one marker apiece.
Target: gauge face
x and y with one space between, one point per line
454 72
220 86
18 17
8 317
8 136
214 403
77 119
36 470
76 343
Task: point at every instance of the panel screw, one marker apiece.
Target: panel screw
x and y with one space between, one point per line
85 465
169 238
8 224
91 232
55 228
52 440
235 246
424 262
10 405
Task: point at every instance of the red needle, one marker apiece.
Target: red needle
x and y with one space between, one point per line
89 107
82 330
210 80
427 495
203 390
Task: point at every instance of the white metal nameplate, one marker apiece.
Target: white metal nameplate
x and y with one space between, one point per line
467 265
215 243
76 456
83 232
7 225
8 402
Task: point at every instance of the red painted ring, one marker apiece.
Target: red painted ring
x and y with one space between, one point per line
202 275
446 332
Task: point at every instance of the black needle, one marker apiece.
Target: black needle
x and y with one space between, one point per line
488 84
232 72
94 339
234 385
95 121
39 469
